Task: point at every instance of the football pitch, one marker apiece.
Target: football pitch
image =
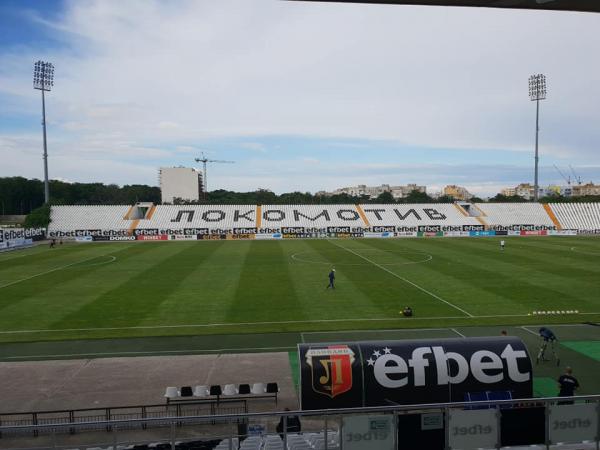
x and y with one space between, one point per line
121 290
169 298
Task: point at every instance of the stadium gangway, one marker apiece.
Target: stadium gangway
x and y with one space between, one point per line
330 418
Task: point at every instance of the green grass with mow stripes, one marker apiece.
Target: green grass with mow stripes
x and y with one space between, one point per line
117 290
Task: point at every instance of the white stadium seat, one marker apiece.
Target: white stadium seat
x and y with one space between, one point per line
247 219
577 216
507 214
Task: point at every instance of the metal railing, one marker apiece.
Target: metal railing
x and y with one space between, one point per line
132 417
327 421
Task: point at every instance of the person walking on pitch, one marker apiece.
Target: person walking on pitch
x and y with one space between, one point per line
331 279
502 244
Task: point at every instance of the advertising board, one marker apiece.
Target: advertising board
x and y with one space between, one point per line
158 237
573 423
9 234
385 234
266 237
366 432
473 429
378 373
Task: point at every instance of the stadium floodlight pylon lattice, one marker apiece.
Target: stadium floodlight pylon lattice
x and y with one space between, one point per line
43 80
537 92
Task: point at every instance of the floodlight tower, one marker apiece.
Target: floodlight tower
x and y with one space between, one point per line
537 92
43 79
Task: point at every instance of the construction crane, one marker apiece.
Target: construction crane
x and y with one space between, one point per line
567 179
578 179
205 160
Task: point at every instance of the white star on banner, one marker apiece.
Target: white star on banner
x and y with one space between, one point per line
377 353
370 361
387 350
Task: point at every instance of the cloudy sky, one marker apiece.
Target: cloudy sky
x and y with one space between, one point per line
302 96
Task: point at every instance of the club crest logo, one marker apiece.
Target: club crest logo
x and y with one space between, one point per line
331 369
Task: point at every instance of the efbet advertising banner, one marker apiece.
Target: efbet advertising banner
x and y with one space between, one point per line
384 373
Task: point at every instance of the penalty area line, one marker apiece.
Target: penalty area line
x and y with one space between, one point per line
422 289
53 270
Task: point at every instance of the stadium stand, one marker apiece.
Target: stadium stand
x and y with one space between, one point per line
511 214
201 216
417 214
315 216
147 219
577 216
89 217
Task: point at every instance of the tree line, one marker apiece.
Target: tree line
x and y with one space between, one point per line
21 196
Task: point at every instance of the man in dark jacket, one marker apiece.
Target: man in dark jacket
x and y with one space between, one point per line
567 383
293 424
331 279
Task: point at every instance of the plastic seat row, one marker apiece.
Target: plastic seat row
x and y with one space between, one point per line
506 214
295 441
577 216
98 217
416 214
216 390
201 216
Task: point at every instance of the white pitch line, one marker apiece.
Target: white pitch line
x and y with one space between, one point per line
282 322
528 330
458 332
404 279
232 324
114 258
389 330
49 271
70 355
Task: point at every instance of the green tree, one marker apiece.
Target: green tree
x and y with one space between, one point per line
385 197
417 197
38 218
499 198
445 199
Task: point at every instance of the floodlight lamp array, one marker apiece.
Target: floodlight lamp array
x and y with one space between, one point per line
43 75
537 87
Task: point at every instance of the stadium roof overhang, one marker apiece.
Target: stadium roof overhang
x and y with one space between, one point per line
555 5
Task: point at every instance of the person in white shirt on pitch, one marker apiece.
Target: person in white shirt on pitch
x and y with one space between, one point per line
502 244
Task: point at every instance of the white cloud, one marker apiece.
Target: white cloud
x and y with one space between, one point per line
166 125
255 146
142 80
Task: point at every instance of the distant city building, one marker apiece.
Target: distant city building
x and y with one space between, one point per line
457 192
563 191
509 192
404 191
586 189
180 183
526 190
376 191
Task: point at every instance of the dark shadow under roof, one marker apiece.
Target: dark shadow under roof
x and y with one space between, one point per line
556 5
